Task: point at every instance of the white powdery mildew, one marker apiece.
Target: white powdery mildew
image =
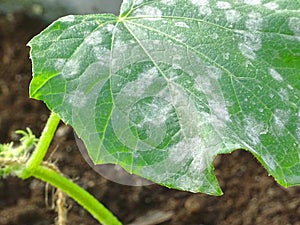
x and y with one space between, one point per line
252 2
294 25
215 36
271 5
71 69
110 28
69 19
200 2
94 38
214 72
138 2
275 75
169 2
281 118
181 24
102 55
59 64
223 5
232 16
269 160
252 38
203 6
254 21
247 51
77 99
150 11
253 129
145 79
284 94
209 85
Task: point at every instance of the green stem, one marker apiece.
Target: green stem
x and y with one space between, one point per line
91 204
42 146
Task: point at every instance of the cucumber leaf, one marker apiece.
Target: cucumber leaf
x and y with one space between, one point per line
169 84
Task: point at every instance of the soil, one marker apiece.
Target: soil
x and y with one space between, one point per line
250 195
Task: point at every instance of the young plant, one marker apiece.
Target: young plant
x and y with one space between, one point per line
169 84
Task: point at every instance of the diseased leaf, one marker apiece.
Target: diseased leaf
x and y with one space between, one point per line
168 85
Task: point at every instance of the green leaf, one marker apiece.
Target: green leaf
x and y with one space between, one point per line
170 84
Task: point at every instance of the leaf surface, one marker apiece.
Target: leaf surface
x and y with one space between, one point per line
168 85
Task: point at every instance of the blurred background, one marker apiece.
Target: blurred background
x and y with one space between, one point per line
50 10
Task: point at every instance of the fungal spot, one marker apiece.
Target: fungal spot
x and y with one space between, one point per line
271 5
94 38
294 25
77 99
203 6
169 2
59 64
275 75
154 13
71 69
232 16
223 5
181 24
252 2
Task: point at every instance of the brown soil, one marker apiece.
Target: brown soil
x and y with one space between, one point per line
251 196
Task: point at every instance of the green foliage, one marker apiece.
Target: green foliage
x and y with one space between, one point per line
170 84
11 157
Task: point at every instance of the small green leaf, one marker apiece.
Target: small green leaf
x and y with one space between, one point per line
170 84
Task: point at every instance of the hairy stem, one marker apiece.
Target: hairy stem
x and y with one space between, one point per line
42 146
90 203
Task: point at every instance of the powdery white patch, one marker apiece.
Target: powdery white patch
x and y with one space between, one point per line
205 10
138 2
181 24
281 118
169 2
145 79
223 5
77 99
247 51
253 129
200 150
284 94
200 2
203 6
251 44
219 109
102 55
59 64
269 160
271 5
294 25
232 16
252 2
71 69
110 28
94 38
153 12
254 21
70 18
214 72
275 75
215 36
181 37
176 66
156 114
